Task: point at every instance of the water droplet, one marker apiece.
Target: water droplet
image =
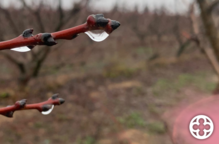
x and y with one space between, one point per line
97 35
49 111
21 49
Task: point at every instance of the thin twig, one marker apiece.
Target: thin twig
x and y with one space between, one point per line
41 107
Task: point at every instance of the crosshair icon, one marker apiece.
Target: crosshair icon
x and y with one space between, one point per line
201 127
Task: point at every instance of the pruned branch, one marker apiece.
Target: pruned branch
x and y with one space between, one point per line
183 47
41 107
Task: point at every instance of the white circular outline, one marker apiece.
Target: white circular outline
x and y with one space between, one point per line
210 123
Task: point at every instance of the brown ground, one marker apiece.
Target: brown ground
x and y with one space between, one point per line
117 103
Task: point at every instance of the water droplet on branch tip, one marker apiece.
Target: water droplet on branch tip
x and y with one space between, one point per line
97 35
49 111
21 49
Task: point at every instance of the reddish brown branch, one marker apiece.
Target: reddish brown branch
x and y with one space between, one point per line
41 107
94 22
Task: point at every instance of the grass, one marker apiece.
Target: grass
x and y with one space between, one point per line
119 70
38 125
46 141
156 127
198 80
132 120
144 50
4 95
87 140
135 120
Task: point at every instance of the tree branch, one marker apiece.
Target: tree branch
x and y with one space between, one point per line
209 26
207 51
10 20
94 22
18 64
78 7
61 16
41 107
36 14
183 47
40 61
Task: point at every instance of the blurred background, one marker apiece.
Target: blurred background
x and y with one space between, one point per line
120 91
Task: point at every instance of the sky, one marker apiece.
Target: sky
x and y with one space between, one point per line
178 6
171 5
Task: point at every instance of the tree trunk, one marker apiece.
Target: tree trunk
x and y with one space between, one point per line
209 26
212 35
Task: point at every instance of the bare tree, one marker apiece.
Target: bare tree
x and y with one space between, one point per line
211 50
206 8
140 24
